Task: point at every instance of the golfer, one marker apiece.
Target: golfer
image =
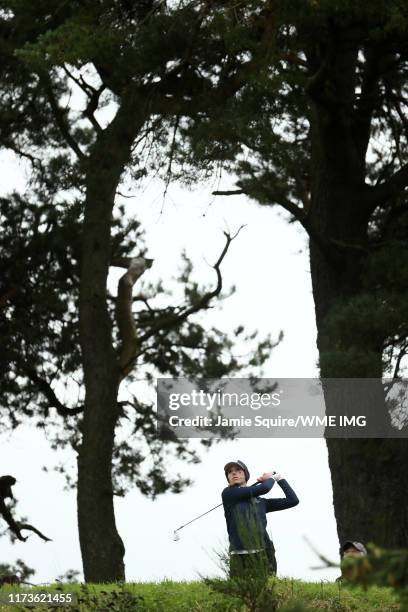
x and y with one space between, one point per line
245 512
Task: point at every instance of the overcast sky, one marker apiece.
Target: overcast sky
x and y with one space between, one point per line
269 265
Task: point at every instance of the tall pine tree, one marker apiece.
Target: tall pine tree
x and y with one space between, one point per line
61 240
316 124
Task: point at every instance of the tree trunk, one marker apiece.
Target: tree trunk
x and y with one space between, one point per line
370 492
101 546
370 483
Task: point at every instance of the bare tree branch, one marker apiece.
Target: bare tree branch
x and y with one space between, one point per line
124 315
29 527
60 118
171 156
390 188
35 161
8 517
142 298
402 353
327 562
46 389
170 321
174 319
298 213
229 192
368 96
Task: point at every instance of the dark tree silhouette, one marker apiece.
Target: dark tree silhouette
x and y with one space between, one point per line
6 482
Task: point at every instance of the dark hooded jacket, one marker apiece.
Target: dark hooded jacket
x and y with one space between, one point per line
245 513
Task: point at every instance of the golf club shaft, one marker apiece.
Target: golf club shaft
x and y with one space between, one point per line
197 517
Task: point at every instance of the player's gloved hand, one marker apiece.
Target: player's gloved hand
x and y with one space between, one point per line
276 476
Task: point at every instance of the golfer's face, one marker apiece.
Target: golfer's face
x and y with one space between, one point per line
236 476
352 552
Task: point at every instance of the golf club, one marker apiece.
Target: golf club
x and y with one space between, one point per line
176 535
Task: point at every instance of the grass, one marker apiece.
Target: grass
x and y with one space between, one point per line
285 594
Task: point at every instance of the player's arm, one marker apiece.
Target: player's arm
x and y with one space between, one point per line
289 501
235 494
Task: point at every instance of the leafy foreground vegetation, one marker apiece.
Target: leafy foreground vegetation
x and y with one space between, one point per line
286 595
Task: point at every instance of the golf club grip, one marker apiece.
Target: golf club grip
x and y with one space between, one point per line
259 481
